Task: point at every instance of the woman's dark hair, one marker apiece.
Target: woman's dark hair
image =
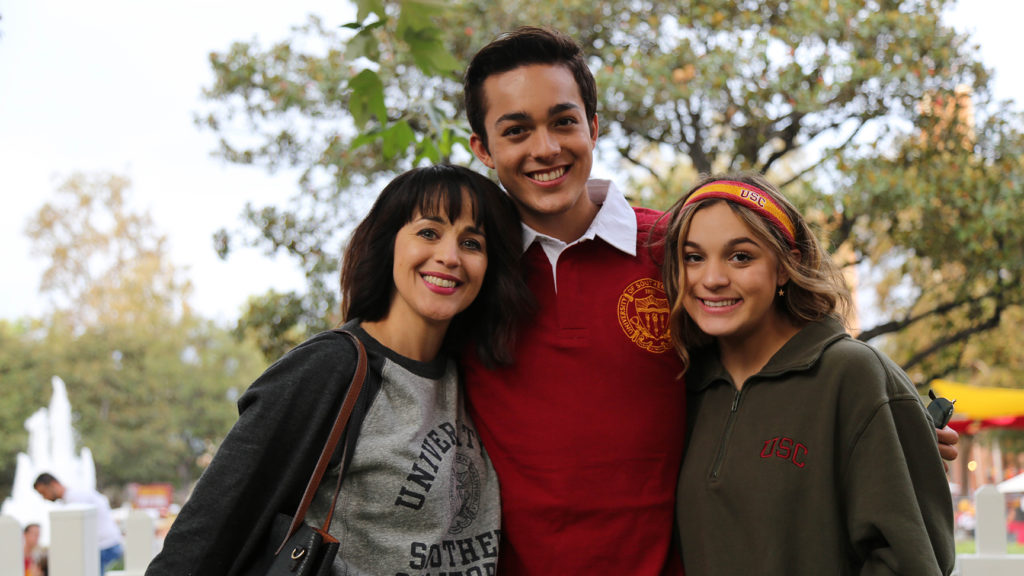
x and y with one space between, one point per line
522 47
491 322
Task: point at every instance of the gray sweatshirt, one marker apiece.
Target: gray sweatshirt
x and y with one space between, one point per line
420 495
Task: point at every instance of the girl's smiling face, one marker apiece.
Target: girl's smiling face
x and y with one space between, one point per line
730 277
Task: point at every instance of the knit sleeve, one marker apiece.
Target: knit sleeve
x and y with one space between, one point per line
262 466
897 503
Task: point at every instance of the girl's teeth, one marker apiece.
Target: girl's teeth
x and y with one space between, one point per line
720 303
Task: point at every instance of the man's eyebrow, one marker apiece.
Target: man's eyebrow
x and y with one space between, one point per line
559 108
512 117
524 117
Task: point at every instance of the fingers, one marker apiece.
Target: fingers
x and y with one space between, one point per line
948 439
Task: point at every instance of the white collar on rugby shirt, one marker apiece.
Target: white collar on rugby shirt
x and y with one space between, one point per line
615 223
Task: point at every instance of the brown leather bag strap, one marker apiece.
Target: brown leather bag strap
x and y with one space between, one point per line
332 442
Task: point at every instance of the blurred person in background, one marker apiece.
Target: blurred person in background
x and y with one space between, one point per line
30 538
107 531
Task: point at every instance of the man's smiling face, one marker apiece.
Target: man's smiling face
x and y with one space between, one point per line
541 145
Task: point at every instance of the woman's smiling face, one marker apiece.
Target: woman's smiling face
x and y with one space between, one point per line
730 277
439 267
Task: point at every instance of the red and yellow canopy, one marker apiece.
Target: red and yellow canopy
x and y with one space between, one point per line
980 407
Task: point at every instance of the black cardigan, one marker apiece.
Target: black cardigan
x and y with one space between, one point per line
262 467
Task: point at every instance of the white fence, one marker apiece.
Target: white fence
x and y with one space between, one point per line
990 558
10 548
74 549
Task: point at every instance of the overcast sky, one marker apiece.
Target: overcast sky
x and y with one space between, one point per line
112 86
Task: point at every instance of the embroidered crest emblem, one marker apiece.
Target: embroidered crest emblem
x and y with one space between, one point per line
643 315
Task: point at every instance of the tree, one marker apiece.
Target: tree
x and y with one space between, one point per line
24 381
822 95
994 358
319 102
270 320
152 385
106 264
937 218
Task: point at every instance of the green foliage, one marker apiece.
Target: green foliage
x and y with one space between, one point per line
152 386
822 95
367 98
425 38
938 216
25 372
150 401
348 107
277 323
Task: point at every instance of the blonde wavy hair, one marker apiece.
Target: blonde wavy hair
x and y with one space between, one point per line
816 287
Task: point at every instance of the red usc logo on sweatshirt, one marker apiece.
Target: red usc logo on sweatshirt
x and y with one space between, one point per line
643 315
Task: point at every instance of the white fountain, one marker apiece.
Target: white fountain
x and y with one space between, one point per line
51 447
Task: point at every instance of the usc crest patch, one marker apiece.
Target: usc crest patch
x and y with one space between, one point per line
643 315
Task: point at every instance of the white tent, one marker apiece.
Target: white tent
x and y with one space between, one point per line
1013 485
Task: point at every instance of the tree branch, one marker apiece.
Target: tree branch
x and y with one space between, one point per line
788 136
826 156
897 325
696 147
625 152
954 338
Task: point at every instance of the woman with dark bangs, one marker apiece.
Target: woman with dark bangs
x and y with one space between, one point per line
431 269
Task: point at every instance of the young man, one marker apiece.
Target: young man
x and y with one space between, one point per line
586 429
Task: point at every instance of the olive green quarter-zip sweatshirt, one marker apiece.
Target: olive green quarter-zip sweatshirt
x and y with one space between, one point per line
825 462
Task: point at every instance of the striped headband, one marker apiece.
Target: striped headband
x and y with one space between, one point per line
751 197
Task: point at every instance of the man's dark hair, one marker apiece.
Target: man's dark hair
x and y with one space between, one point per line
522 47
45 479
